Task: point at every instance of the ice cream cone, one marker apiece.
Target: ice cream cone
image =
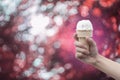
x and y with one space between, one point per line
84 29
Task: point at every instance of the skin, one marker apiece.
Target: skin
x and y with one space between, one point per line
92 57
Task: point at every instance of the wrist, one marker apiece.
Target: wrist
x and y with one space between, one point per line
98 58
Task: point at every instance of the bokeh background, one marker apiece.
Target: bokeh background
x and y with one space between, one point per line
36 38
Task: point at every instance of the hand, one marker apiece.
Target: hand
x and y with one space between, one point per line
85 55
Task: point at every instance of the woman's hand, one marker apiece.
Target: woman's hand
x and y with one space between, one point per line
92 57
85 55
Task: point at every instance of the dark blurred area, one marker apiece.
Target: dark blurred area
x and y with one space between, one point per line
36 38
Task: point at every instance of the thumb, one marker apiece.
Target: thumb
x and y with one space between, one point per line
75 36
91 42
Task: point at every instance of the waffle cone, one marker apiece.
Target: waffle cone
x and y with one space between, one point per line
82 34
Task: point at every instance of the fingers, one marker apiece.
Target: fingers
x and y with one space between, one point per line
92 47
91 42
81 50
80 45
79 56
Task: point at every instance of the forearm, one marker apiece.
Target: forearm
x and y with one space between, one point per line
108 66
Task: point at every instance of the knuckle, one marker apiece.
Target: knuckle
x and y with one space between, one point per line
77 48
85 51
79 55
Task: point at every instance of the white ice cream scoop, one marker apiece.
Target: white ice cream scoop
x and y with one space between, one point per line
84 28
84 25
